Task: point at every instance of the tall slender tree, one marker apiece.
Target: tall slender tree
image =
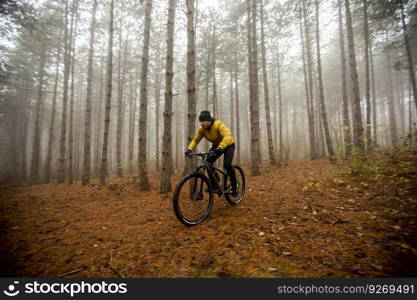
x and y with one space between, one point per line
271 151
389 92
411 70
99 118
250 73
121 70
158 99
345 105
104 155
63 138
73 35
306 81
132 121
374 107
254 105
310 98
237 107
367 77
87 119
191 89
280 125
213 68
256 117
36 151
323 112
143 114
51 134
357 112
165 182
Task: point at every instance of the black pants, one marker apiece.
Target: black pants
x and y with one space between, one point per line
228 152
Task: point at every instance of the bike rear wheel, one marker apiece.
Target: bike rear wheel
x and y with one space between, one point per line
193 199
240 186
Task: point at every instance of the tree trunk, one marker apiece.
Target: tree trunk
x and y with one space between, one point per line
253 86
51 136
36 149
232 110
25 128
63 138
367 79
399 95
87 120
100 113
329 142
207 80
357 112
254 166
280 134
12 128
132 124
306 82
274 96
390 95
409 57
158 101
213 71
410 108
347 139
266 91
71 118
179 129
120 103
237 106
104 156
190 164
143 114
310 98
256 105
374 110
79 131
165 180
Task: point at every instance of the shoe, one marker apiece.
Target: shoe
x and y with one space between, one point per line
232 193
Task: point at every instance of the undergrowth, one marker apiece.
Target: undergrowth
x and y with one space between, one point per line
395 166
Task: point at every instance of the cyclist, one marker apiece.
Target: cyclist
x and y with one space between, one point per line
216 132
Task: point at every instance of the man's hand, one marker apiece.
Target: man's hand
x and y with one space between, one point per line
216 152
188 152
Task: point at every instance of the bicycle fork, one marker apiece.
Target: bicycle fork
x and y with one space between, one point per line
197 189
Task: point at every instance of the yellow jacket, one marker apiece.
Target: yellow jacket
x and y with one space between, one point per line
217 133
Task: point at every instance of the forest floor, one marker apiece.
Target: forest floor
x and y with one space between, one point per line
306 219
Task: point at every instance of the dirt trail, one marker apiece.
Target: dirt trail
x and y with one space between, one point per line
295 221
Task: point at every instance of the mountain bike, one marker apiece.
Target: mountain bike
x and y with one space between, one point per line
194 194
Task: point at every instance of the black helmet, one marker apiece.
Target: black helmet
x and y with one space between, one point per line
205 116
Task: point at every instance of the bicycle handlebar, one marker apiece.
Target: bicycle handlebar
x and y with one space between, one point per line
202 154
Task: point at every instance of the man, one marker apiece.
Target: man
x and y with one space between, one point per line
223 143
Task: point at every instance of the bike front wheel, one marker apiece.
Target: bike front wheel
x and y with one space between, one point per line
193 199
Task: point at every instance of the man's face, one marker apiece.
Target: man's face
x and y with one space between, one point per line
205 124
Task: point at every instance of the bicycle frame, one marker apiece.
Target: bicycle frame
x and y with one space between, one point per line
205 165
197 192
